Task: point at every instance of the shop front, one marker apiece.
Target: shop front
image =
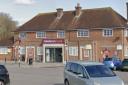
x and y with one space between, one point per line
53 50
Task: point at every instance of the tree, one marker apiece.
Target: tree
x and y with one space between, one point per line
7 25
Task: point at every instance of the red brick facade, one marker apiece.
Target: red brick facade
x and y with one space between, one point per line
94 45
96 40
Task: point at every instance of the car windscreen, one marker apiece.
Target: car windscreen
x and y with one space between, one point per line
99 71
2 68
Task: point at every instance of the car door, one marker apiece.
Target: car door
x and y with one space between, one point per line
82 78
73 74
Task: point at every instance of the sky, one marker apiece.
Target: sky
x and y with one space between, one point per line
24 10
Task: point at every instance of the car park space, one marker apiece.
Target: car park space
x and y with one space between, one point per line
43 75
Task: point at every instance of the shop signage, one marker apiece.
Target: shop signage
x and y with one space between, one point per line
89 47
53 41
119 47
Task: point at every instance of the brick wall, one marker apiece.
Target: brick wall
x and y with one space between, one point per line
95 38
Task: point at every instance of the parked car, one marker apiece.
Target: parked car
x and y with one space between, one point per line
89 73
124 64
112 62
4 76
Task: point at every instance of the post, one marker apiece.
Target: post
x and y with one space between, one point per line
19 57
5 59
19 52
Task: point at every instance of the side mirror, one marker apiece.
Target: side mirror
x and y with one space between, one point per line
80 75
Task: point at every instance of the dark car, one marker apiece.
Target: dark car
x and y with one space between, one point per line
113 62
4 76
124 64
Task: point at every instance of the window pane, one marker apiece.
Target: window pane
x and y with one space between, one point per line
73 51
22 50
4 50
99 71
61 34
74 68
39 51
22 35
107 32
83 33
40 34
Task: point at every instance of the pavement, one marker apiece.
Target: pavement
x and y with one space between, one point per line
34 65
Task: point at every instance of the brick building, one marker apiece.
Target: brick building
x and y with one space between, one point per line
80 34
6 49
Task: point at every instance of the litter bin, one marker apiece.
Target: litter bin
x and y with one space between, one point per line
30 61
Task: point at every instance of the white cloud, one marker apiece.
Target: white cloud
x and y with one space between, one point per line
25 2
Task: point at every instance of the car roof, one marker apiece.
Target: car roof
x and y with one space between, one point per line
86 63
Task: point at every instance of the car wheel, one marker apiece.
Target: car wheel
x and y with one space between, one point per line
2 83
66 82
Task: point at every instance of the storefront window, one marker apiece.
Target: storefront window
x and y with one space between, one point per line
126 52
39 50
3 50
22 50
73 51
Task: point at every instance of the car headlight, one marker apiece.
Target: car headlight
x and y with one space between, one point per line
96 83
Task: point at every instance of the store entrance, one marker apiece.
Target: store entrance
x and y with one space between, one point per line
53 55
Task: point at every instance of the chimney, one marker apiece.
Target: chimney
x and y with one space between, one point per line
78 10
59 12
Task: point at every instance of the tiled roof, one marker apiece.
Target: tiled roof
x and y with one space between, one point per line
89 18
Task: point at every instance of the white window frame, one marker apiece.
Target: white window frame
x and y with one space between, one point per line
22 35
73 51
39 50
83 33
60 34
22 50
87 53
43 35
126 52
3 50
109 32
126 32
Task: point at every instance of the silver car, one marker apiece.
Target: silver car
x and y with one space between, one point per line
89 73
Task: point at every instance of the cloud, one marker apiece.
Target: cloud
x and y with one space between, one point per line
25 2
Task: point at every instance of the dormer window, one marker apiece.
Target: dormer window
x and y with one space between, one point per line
40 34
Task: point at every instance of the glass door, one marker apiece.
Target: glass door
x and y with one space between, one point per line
53 55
